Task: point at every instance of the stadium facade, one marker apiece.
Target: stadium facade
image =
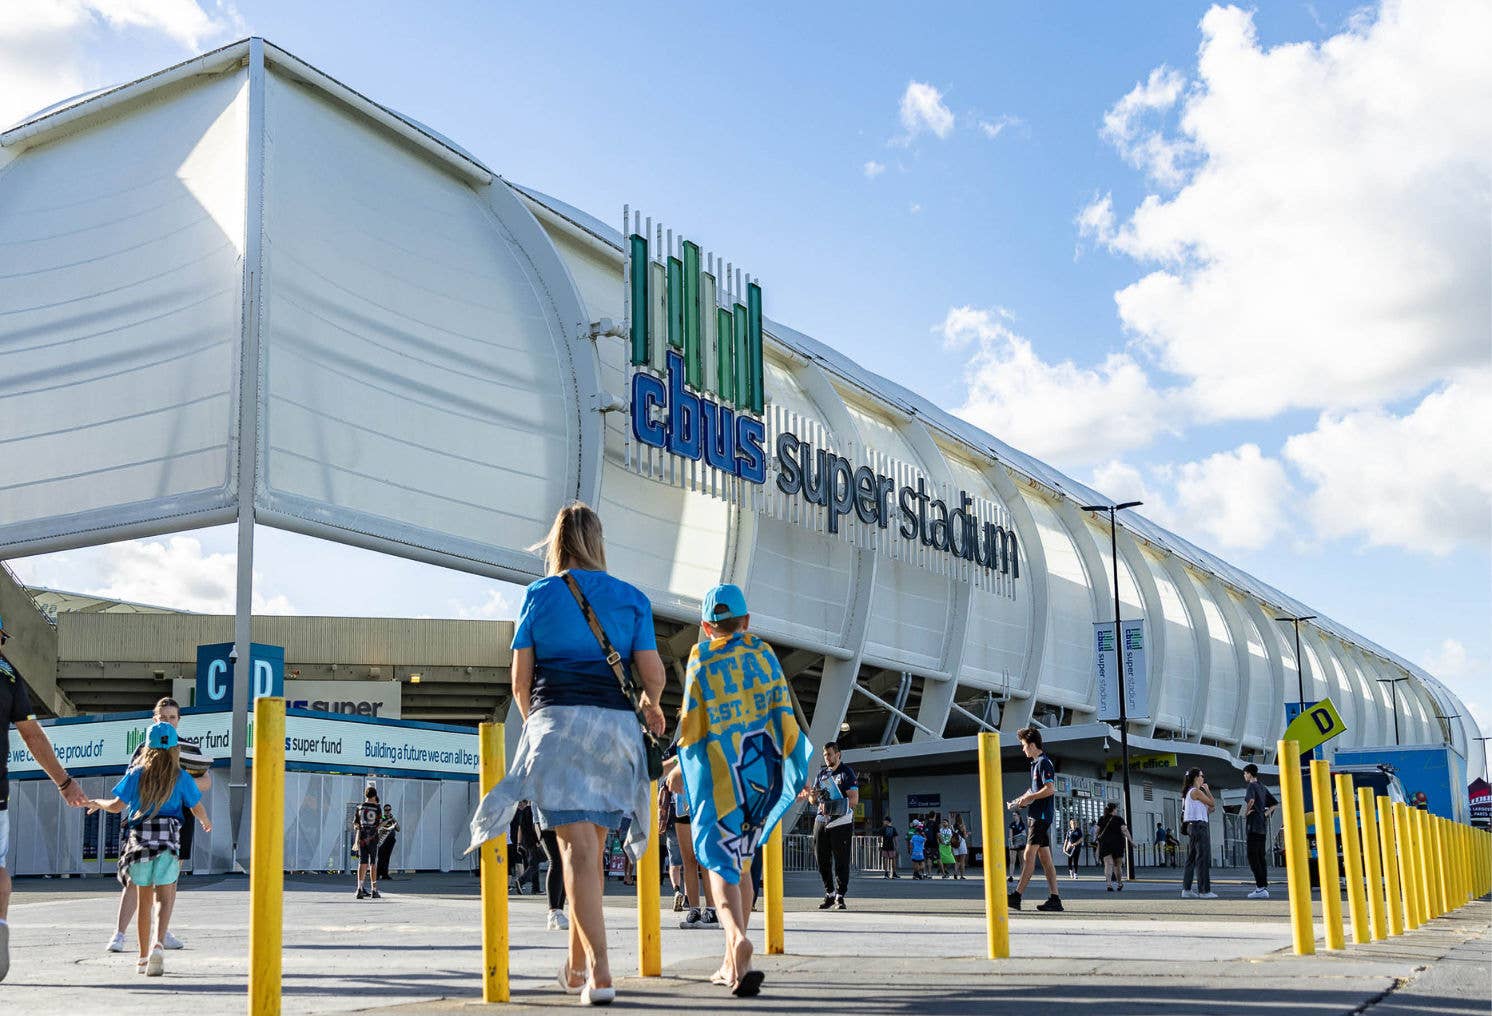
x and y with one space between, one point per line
239 290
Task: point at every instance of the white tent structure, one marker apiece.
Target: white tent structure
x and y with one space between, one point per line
239 291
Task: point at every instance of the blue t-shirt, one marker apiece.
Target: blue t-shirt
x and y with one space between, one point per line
918 842
1042 773
569 667
183 798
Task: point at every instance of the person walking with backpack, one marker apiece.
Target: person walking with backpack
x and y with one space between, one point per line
587 680
1197 806
154 796
1041 810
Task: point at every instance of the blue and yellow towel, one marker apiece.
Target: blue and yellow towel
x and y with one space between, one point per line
742 754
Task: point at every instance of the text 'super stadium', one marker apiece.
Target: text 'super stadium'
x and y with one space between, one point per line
238 290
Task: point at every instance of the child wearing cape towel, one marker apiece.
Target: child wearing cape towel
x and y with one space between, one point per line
742 759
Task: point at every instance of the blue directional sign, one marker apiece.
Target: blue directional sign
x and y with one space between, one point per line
215 674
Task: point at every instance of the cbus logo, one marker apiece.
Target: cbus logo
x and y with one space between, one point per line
717 419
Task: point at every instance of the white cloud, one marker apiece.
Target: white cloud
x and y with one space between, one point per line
991 128
1096 220
1123 482
1238 499
45 44
923 111
1143 145
874 169
1233 500
1449 661
1464 674
500 605
174 573
1328 244
1067 414
1421 481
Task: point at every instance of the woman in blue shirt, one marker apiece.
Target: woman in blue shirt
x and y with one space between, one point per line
580 759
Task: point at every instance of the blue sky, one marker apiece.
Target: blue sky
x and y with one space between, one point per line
1231 262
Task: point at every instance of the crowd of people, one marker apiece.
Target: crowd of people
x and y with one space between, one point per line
587 680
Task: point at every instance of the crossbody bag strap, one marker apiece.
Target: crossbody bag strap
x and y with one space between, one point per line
613 658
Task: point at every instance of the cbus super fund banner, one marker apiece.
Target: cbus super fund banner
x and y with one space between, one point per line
314 742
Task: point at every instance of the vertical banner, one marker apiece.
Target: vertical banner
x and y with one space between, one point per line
1136 678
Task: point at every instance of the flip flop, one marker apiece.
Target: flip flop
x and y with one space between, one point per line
749 985
719 978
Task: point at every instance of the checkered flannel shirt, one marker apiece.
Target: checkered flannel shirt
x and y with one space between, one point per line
148 837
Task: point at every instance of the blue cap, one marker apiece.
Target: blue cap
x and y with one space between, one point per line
723 602
161 735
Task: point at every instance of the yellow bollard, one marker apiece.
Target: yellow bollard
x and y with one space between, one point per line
1454 829
1422 861
1367 815
992 832
494 869
267 858
1357 903
1297 864
1387 832
1326 855
649 912
772 884
1442 859
1407 873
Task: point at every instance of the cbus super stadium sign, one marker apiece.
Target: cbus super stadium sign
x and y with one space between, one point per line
698 397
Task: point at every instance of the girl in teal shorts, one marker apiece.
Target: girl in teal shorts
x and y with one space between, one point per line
155 796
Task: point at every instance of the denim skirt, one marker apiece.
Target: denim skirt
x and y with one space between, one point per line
576 764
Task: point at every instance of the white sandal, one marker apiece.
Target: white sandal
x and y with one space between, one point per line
565 973
592 995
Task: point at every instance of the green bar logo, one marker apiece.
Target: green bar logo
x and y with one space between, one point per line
738 377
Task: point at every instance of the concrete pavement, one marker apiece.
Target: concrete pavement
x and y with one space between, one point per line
903 947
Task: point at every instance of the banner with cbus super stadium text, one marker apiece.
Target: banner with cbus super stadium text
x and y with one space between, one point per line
701 418
314 742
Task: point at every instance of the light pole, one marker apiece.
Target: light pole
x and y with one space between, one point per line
1299 660
1445 728
1113 509
1394 694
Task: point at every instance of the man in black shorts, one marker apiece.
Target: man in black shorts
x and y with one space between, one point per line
366 819
15 707
1041 809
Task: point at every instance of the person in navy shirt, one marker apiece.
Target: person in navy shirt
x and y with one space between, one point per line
1040 810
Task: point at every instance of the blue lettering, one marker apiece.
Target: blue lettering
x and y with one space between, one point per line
683 412
719 432
647 392
751 461
724 668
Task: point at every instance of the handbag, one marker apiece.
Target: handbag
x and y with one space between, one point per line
652 747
